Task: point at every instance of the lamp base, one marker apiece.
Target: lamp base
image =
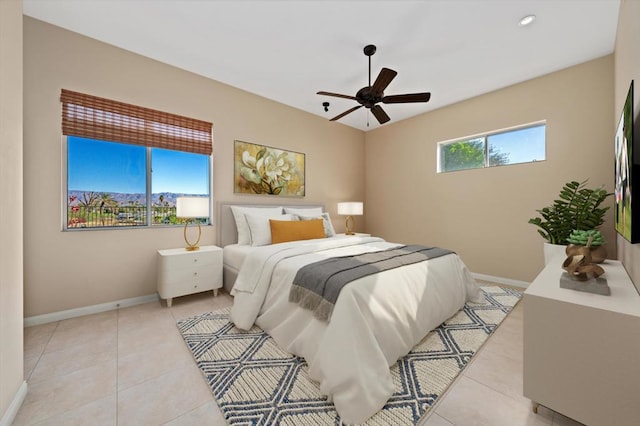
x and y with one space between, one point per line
192 246
348 224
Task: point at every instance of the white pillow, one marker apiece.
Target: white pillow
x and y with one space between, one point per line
326 222
260 229
304 211
244 237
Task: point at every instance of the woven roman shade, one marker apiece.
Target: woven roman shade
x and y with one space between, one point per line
99 118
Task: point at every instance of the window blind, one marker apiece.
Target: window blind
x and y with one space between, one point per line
104 119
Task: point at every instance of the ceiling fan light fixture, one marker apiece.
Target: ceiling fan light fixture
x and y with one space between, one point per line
371 95
526 20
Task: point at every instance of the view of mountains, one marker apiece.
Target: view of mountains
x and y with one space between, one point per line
126 199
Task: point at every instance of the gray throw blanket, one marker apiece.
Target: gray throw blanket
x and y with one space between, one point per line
316 286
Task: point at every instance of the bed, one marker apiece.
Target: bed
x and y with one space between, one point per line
227 237
376 319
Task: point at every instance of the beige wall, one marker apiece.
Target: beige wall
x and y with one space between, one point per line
482 214
65 270
11 336
627 68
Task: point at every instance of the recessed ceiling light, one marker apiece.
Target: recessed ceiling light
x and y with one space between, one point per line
527 20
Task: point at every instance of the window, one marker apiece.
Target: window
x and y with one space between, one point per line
521 145
107 183
125 169
176 173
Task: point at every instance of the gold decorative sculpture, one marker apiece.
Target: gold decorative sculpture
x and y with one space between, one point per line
579 263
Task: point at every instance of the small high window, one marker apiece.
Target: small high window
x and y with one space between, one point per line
521 145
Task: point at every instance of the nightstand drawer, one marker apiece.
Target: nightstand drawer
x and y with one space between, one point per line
193 260
188 285
176 275
180 258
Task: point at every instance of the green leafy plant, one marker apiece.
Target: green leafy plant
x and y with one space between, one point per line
581 238
578 208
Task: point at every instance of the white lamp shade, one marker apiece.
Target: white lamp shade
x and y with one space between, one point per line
192 207
353 208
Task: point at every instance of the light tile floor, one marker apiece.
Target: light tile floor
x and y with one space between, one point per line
131 367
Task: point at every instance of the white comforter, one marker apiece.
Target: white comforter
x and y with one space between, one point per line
376 320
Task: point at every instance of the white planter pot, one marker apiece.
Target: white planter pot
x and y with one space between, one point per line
553 250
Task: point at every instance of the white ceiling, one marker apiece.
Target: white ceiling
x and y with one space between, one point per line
288 50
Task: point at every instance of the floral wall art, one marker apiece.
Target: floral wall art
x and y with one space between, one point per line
260 169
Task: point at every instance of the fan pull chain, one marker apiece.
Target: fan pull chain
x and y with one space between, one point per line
367 118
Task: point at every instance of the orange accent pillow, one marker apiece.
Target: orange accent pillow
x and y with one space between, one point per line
286 230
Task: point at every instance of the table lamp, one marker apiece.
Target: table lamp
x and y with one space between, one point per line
191 208
350 209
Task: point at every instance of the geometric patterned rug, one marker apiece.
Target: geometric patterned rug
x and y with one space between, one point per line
256 383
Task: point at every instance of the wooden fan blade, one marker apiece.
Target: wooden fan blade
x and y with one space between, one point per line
337 95
349 111
409 97
383 80
379 114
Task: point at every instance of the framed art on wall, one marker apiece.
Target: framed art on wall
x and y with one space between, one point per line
260 169
627 212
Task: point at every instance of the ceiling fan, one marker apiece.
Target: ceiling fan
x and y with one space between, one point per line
370 96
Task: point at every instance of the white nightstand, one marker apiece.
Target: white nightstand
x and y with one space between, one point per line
182 272
356 234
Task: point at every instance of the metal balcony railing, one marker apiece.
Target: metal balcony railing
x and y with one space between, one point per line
79 216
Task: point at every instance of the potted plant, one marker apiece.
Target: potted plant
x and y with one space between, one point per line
591 240
577 208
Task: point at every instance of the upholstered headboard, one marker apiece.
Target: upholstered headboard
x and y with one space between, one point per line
227 231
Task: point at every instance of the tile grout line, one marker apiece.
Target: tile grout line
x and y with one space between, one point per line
465 370
40 357
117 360
553 413
42 353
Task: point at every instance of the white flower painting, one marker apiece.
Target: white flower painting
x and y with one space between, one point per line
261 169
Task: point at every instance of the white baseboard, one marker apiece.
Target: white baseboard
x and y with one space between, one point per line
15 405
109 306
87 310
500 280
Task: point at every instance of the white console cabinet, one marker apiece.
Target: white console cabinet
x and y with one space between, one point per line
182 272
582 350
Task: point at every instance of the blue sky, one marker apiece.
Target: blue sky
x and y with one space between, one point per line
180 172
113 167
523 145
